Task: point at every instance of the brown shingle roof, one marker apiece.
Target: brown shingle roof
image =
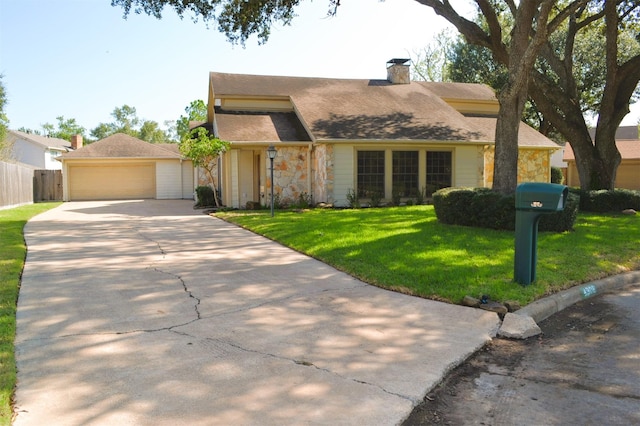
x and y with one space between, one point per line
527 136
352 109
349 109
629 150
121 145
260 126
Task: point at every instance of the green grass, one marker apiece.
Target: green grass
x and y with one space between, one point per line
406 249
12 255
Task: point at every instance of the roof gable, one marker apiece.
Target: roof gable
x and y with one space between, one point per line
44 141
121 145
357 110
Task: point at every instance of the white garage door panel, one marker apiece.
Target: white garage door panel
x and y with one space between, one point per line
112 182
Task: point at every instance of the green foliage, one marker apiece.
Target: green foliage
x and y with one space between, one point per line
64 129
6 148
205 196
376 199
126 121
431 62
304 201
396 195
352 199
203 149
603 201
4 120
237 20
484 208
420 196
556 175
408 249
196 111
564 220
13 252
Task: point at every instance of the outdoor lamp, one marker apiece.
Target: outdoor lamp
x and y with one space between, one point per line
271 153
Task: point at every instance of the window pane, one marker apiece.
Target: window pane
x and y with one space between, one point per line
405 173
438 171
370 173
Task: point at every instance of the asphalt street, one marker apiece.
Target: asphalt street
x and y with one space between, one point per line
583 370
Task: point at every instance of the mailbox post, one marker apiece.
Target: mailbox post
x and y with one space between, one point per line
533 199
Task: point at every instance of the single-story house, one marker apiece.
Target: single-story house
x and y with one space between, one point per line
124 167
39 152
336 136
628 174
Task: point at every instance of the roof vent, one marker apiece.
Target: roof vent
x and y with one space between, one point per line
398 71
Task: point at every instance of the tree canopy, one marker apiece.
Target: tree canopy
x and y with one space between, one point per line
126 121
238 20
4 123
196 111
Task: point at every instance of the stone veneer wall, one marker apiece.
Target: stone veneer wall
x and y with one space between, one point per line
290 173
533 165
322 170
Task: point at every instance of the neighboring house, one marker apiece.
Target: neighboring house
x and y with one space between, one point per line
123 167
41 152
628 174
335 136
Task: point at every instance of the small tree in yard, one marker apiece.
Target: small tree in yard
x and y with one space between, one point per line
204 149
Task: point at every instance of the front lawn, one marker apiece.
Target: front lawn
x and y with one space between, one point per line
12 256
406 249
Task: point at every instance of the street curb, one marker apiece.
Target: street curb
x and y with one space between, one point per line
544 308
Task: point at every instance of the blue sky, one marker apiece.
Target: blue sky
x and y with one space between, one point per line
81 59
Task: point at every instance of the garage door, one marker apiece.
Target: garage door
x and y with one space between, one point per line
628 175
112 182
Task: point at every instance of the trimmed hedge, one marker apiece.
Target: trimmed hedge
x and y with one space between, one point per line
604 201
484 208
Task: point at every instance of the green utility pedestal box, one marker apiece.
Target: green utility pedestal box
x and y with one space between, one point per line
533 199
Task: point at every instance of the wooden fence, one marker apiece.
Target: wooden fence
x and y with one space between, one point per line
16 185
47 185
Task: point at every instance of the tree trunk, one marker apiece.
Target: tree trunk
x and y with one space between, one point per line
505 165
523 51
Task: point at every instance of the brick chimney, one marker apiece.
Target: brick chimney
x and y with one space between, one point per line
398 71
76 142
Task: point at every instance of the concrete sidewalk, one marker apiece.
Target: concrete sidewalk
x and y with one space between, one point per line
148 312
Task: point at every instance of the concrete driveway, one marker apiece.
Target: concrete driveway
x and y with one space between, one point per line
149 312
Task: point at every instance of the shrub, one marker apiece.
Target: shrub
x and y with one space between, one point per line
304 201
564 220
352 199
556 175
396 195
376 199
420 196
205 196
603 201
484 208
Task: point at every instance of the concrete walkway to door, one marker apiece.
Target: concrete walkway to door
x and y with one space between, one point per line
151 313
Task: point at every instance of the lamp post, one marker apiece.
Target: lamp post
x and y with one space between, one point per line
271 153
